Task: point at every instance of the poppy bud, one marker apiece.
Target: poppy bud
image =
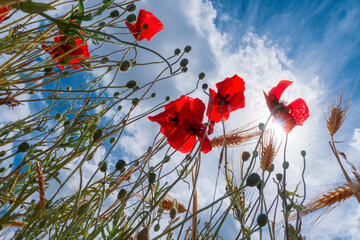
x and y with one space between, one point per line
116 94
122 193
92 128
114 13
177 52
136 88
245 156
66 123
285 165
201 75
153 95
98 134
167 98
173 213
112 140
252 180
23 147
58 116
262 219
2 153
143 234
48 70
187 49
152 178
83 209
279 176
184 70
65 73
131 7
205 86
120 164
271 168
259 185
184 62
119 108
101 24
135 101
68 88
166 158
125 66
2 170
131 84
104 60
156 227
145 26
131 18
103 166
303 153
262 127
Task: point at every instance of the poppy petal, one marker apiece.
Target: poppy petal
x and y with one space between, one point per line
298 110
277 91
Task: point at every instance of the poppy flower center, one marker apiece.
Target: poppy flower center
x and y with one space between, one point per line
195 130
174 119
223 99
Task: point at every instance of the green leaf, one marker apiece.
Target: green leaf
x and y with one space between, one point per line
103 7
32 7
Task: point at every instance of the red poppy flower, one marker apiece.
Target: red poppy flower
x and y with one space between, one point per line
230 96
182 123
75 50
290 115
153 26
4 10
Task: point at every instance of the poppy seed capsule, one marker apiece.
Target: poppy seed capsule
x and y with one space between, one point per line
112 140
103 166
156 227
252 180
131 18
23 147
58 116
153 95
120 164
116 94
114 13
167 98
285 165
125 66
262 127
184 62
131 84
187 49
201 75
122 193
92 128
173 213
262 220
98 134
205 86
245 156
152 178
177 52
271 168
303 153
143 234
104 60
279 176
166 158
68 88
131 7
135 101
119 108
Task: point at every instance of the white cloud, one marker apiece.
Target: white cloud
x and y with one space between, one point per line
356 139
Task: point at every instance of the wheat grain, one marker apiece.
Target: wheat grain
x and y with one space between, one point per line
236 137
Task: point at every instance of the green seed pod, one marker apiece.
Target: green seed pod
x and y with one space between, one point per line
116 94
98 134
119 108
177 52
285 165
245 156
68 88
184 62
201 75
103 166
28 130
131 7
279 176
125 66
262 220
66 123
114 14
23 147
122 194
156 227
2 153
65 73
11 165
152 178
259 185
48 70
252 180
143 234
101 24
135 101
187 49
58 116
2 170
205 86
167 98
184 70
153 95
104 60
83 209
166 158
112 140
173 213
271 168
131 84
131 18
262 127
92 128
120 164
303 153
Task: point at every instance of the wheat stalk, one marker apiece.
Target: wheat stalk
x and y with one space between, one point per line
337 115
236 137
268 150
41 188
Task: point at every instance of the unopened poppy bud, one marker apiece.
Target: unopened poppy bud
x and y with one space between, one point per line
201 75
83 209
259 185
143 234
279 176
262 127
271 168
101 24
65 73
177 51
58 116
173 213
153 95
135 101
131 7
136 88
119 108
48 70
166 158
303 153
11 165
285 165
156 227
245 156
205 86
120 164
92 128
2 153
125 66
68 88
116 94
67 123
122 193
104 60
114 13
167 98
184 62
112 140
252 180
145 26
98 134
2 170
152 178
103 166
131 18
262 220
23 147
184 70
131 84
187 49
